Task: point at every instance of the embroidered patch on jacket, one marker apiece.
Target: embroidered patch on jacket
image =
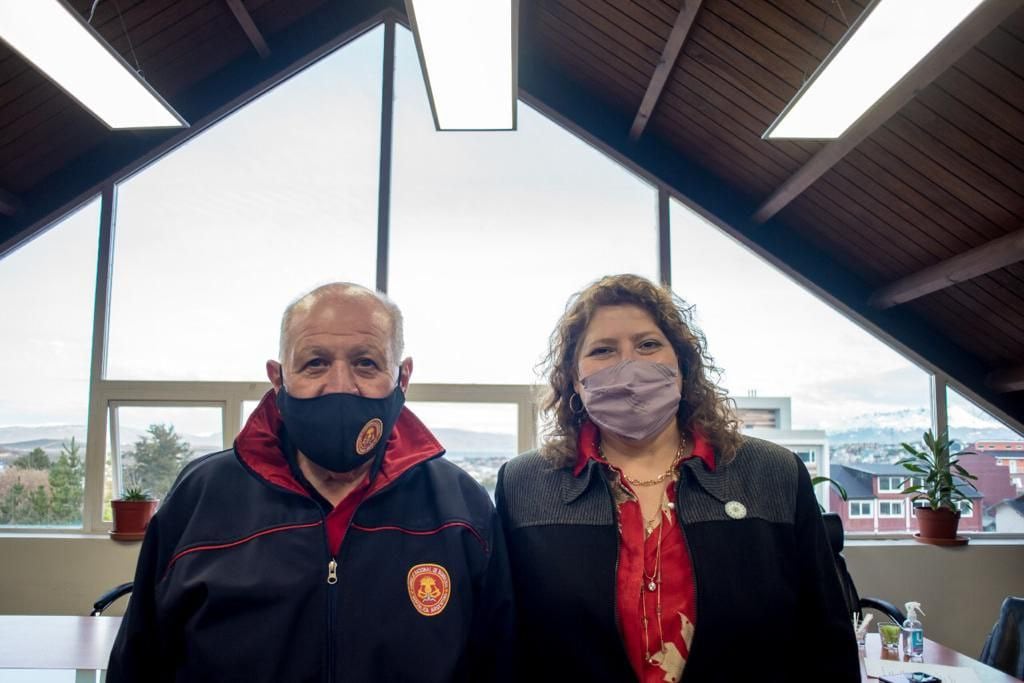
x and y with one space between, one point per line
369 435
429 588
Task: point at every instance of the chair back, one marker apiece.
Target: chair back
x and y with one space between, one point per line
109 597
834 532
854 603
1004 647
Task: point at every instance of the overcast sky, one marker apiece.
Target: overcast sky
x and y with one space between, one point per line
490 235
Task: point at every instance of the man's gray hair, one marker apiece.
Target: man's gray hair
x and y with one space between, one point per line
307 300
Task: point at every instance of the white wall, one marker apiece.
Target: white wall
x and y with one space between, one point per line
960 588
61 574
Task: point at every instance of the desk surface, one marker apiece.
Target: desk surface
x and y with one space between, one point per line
52 642
934 653
31 642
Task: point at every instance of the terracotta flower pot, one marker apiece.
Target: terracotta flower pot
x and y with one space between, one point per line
937 525
131 517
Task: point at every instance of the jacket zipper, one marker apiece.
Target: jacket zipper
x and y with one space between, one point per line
332 581
332 572
332 600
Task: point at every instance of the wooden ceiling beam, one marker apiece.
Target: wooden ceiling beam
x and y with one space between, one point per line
1006 380
10 204
249 26
667 61
982 22
990 256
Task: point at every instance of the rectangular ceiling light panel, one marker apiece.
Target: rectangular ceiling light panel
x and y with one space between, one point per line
59 43
878 51
468 52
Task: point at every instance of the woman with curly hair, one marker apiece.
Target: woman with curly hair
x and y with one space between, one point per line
648 538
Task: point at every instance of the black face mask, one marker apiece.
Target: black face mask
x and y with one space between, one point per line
340 432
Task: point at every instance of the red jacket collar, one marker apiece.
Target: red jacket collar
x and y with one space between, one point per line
259 447
586 448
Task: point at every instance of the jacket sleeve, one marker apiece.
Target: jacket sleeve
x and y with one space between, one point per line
822 608
493 631
137 654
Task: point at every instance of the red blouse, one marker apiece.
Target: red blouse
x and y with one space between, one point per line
638 562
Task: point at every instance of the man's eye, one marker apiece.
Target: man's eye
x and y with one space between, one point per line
366 363
315 363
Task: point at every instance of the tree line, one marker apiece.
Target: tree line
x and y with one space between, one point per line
37 491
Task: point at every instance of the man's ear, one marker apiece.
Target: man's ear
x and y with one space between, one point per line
275 373
404 373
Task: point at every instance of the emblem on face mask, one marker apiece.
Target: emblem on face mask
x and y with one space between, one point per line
429 588
369 435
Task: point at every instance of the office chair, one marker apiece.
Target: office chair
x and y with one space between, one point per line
1004 647
109 597
854 603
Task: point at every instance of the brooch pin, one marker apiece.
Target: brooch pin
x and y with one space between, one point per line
736 509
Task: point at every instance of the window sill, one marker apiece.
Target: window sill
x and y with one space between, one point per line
74 534
989 539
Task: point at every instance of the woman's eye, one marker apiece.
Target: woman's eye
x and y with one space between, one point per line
650 345
599 351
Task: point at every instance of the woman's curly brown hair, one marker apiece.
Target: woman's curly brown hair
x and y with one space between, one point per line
703 405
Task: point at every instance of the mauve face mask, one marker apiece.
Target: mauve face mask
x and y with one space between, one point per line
634 399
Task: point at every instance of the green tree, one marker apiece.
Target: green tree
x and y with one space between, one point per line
12 507
38 510
158 458
35 460
67 482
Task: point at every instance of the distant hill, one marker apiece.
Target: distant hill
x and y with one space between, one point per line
908 425
46 444
18 440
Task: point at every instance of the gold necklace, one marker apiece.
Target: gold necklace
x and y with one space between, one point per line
661 477
653 585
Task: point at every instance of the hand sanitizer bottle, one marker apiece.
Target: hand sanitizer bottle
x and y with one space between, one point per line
913 634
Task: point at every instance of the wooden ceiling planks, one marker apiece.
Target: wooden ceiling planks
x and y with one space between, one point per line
923 188
59 124
573 47
176 43
138 19
943 175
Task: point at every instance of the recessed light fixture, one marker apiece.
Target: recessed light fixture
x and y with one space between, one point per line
888 40
467 49
75 57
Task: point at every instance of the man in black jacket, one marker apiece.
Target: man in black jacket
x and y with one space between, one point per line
333 542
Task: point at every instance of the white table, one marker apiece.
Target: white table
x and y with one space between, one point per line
57 649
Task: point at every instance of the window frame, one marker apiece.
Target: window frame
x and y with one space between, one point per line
889 479
891 515
231 394
812 460
861 502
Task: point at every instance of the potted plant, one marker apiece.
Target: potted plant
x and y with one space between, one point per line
132 512
936 478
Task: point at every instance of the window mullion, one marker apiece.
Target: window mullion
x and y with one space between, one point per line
95 448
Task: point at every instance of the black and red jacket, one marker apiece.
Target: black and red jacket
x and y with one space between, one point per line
237 579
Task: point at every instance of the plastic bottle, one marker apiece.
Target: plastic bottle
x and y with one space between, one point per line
913 633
